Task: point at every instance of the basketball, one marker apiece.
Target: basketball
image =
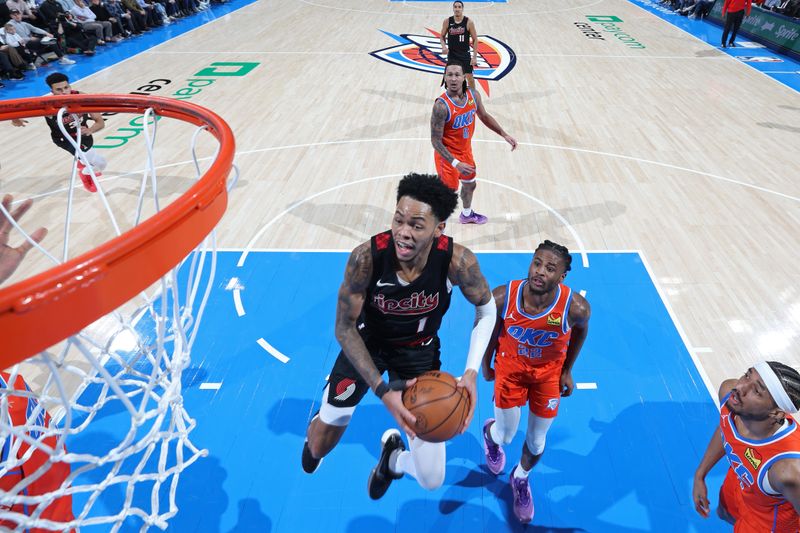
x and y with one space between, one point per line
440 407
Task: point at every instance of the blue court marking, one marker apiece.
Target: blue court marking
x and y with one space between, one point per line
618 459
786 71
113 53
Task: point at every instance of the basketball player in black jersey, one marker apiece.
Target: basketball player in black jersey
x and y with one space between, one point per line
455 36
395 291
59 86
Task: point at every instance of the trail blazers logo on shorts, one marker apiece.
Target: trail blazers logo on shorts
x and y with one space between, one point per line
424 52
554 319
753 457
344 389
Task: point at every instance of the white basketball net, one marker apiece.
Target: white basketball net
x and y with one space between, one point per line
61 439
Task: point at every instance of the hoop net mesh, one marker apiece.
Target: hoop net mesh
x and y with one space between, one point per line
93 431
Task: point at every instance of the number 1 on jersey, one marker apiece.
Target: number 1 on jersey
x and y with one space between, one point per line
421 326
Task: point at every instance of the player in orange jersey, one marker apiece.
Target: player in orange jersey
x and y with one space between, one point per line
27 469
452 126
761 439
540 329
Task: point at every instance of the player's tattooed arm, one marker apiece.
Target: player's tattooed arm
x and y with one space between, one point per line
438 120
352 294
466 273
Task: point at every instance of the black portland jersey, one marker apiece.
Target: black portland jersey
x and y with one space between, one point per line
458 39
410 312
69 124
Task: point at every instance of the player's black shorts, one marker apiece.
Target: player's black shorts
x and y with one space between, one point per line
86 143
402 362
465 62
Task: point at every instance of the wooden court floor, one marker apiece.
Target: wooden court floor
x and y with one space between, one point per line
673 149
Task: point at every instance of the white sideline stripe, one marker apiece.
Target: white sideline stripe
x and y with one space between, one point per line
210 386
702 371
704 349
586 386
272 351
237 302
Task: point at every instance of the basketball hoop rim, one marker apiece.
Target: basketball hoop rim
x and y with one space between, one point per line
42 310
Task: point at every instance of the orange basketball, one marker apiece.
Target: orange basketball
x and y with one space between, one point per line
440 407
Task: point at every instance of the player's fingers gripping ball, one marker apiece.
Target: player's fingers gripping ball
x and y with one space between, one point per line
440 406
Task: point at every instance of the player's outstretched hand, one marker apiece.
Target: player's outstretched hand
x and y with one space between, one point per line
465 169
700 497
19 122
511 140
10 257
467 381
393 400
565 383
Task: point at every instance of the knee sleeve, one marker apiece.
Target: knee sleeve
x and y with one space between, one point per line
97 161
537 433
429 462
506 422
334 416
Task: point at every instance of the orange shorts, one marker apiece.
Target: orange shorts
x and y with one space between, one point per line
449 174
750 519
517 382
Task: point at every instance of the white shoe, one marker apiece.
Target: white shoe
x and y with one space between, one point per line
66 61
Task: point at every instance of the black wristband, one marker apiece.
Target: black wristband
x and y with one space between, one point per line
381 389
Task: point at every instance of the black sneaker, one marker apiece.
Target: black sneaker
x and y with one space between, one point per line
381 476
310 463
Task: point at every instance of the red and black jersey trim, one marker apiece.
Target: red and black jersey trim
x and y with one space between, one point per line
381 240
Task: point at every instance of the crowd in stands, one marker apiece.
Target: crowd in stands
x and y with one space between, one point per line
34 32
790 8
701 8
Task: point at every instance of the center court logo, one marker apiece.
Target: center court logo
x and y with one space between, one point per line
424 53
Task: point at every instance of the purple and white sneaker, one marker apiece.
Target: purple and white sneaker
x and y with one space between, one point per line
473 218
495 456
523 500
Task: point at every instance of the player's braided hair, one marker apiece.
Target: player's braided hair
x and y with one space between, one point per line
789 378
559 250
429 189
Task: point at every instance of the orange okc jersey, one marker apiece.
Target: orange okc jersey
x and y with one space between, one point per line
25 412
460 126
755 505
538 339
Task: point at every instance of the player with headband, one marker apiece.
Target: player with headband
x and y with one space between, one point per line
759 435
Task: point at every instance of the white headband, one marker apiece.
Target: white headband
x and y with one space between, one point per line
774 387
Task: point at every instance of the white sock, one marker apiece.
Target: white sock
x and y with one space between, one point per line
521 473
402 462
467 211
497 439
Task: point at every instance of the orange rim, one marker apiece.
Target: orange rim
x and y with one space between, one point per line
44 309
